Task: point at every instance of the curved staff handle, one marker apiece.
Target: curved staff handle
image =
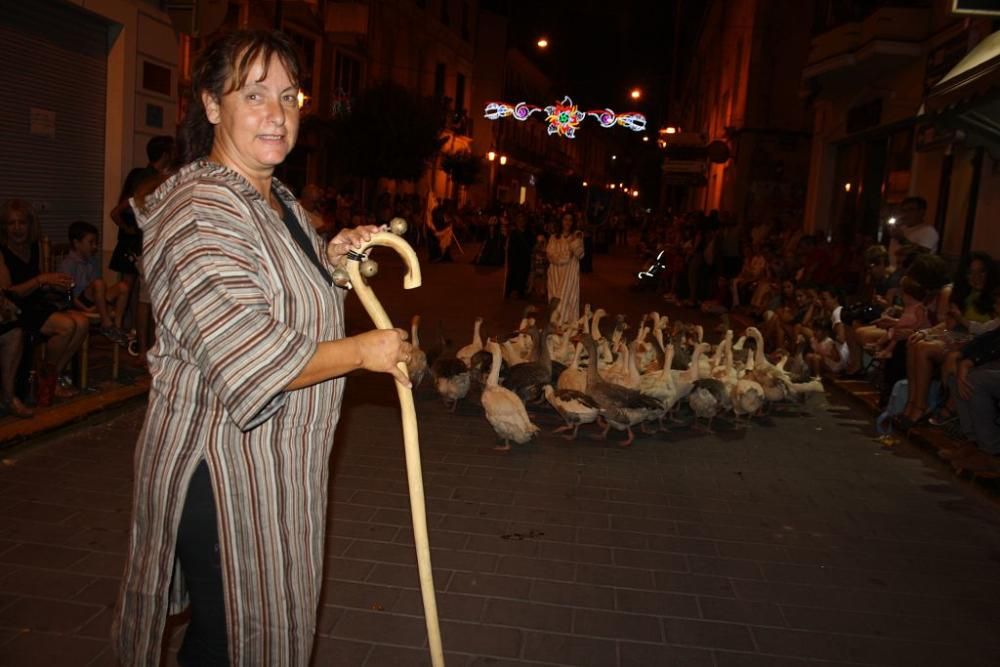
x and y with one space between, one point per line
356 265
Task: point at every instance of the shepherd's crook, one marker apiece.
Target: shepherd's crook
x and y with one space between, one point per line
357 266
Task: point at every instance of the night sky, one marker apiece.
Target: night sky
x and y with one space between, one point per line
599 51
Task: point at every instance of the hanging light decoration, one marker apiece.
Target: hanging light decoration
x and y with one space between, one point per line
564 118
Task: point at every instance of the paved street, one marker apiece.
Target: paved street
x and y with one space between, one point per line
798 541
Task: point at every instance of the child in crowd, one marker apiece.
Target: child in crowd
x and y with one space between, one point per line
913 317
90 293
827 353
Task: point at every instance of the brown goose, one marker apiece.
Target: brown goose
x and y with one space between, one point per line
622 407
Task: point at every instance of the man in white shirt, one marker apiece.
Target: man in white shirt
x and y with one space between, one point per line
912 228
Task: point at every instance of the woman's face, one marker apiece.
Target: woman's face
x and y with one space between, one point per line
788 289
567 224
977 275
17 227
256 125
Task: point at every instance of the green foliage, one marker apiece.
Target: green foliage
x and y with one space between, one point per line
389 133
464 168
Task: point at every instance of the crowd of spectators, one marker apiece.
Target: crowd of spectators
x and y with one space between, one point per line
890 312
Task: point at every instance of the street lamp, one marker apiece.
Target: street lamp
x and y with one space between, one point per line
492 155
585 184
635 94
503 160
645 138
614 157
542 43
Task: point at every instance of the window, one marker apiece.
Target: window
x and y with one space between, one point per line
459 93
346 75
439 74
445 13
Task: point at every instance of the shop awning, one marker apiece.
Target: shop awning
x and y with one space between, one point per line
969 95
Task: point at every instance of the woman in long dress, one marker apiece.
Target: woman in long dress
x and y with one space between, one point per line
564 251
232 464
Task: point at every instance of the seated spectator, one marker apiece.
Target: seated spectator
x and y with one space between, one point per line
828 355
42 297
976 390
780 313
924 348
753 272
912 317
90 293
11 350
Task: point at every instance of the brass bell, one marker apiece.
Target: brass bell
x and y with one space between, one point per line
341 278
398 226
369 268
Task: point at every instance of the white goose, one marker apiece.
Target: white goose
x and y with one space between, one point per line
574 377
467 352
504 410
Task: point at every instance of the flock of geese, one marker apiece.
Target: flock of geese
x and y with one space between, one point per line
590 372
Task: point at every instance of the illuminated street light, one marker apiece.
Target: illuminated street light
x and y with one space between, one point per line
847 187
621 185
542 43
614 157
612 186
892 221
301 98
635 94
635 193
670 129
503 159
492 155
625 190
645 138
585 184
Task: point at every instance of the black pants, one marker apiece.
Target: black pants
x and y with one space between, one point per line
198 551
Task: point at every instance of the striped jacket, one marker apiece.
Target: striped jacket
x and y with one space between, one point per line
239 310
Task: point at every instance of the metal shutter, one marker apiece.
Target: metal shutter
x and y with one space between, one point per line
55 60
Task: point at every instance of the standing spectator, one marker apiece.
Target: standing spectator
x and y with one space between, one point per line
159 150
90 293
519 247
911 227
564 251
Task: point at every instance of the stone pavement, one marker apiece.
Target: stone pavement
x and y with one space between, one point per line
798 541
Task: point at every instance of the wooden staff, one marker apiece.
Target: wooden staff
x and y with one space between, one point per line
358 268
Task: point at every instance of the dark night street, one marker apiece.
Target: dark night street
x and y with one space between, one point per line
796 541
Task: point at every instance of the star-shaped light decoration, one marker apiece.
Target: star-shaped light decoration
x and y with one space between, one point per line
564 117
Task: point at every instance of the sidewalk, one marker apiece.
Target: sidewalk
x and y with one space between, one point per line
102 394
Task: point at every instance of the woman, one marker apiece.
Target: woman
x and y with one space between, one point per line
247 378
564 251
41 297
971 301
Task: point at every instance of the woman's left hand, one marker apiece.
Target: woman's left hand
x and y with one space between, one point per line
349 239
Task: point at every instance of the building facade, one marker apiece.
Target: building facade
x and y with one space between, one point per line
97 80
740 94
872 76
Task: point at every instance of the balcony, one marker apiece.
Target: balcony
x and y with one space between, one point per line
866 49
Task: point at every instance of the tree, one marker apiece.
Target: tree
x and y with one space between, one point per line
389 133
464 168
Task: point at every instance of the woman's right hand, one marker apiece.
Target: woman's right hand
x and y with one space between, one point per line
57 280
382 350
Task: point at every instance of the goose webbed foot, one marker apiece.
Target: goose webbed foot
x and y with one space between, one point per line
505 447
629 439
